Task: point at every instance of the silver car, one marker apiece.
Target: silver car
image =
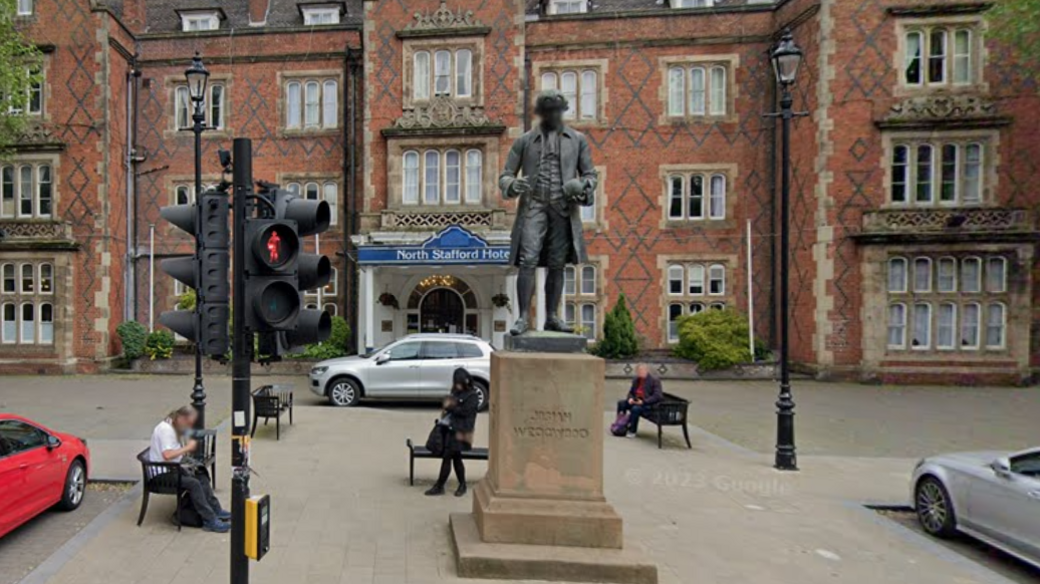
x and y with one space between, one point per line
991 496
416 367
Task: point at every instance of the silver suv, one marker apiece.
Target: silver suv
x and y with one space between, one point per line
416 367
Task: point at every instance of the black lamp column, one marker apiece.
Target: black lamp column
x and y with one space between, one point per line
786 59
198 77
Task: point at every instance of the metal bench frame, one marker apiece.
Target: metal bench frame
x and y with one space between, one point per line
671 411
422 452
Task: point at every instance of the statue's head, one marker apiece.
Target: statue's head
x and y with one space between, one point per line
550 106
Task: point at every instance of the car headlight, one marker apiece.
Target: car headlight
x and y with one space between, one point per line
319 370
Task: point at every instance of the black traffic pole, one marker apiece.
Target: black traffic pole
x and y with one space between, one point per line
197 77
242 354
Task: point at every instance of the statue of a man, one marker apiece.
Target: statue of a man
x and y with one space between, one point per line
556 177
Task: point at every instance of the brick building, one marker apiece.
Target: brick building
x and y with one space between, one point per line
913 222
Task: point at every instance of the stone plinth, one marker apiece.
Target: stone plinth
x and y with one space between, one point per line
546 342
540 512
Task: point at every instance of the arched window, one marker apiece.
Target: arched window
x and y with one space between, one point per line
897 275
995 325
9 317
971 275
922 274
330 192
716 280
442 73
549 81
675 280
946 275
570 284
946 326
432 178
463 73
588 320
410 190
10 285
330 104
717 306
717 205
7 191
962 67
897 326
937 56
46 279
970 325
996 275
311 105
421 79
675 197
696 279
569 89
474 176
948 173
589 85
569 314
914 52
294 188
28 279
46 324
696 308
718 91
696 204
675 311
588 280
698 92
293 107
676 91
900 173
28 333
971 187
452 177
332 308
25 198
44 191
924 173
182 195
922 331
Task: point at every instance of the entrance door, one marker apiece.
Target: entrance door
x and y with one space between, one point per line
442 311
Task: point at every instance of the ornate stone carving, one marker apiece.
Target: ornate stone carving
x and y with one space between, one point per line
931 220
35 135
50 231
443 112
443 18
418 220
942 107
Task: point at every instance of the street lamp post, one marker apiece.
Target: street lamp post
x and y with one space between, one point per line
786 59
198 77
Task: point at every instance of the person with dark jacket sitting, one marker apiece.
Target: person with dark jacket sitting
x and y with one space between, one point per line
644 393
460 413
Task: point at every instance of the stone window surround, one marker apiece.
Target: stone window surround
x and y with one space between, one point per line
411 46
600 66
730 261
600 224
396 148
170 85
601 263
54 160
732 171
874 271
978 27
730 61
284 77
989 138
64 311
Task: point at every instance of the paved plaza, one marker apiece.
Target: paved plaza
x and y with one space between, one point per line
343 510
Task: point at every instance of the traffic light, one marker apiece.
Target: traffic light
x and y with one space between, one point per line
277 272
206 272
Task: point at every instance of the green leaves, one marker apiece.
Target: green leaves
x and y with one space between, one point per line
132 334
714 339
1017 22
159 344
20 70
619 334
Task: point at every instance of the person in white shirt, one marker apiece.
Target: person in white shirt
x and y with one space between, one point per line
166 446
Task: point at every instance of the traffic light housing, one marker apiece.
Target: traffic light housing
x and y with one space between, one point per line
206 272
277 272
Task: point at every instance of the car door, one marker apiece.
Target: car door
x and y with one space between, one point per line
31 470
10 487
395 372
1005 504
439 361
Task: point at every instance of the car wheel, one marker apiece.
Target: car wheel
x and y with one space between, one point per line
934 508
75 486
344 393
483 395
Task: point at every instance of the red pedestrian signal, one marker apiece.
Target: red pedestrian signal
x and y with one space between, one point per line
273 247
277 245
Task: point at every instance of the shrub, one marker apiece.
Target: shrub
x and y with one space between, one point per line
186 301
132 335
334 346
159 344
619 334
714 339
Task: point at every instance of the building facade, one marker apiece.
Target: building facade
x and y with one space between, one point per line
913 223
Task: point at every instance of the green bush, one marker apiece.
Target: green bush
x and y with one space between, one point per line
619 334
186 301
159 344
132 335
714 339
334 346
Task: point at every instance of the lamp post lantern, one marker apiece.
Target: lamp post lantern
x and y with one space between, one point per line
787 58
198 77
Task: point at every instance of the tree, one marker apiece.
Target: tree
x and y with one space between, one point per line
19 73
1017 22
619 334
715 339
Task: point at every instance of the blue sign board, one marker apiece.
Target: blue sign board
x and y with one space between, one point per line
454 245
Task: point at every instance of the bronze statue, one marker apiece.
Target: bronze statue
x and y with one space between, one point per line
556 177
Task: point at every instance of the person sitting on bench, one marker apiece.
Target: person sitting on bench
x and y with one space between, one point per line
167 447
460 413
645 392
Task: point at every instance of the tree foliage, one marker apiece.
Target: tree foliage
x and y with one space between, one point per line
619 334
133 335
159 344
714 339
1017 22
19 70
334 346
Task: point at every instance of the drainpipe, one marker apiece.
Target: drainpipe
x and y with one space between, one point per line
130 269
351 195
526 89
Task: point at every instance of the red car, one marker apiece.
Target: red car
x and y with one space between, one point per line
39 468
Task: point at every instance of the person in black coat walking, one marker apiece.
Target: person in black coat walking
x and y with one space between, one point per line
460 411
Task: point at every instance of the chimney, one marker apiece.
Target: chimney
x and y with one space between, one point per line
134 16
258 12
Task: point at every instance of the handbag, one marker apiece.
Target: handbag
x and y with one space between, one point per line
435 441
620 425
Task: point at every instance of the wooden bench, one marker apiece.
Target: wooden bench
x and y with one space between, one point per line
670 411
423 452
271 401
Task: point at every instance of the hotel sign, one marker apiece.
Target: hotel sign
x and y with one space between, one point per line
452 246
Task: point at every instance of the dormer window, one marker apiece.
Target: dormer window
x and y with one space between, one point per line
692 3
319 16
197 21
568 6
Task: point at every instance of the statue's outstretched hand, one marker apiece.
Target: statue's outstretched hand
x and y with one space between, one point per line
519 187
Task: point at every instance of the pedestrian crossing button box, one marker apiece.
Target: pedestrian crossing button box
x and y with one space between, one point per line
258 526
